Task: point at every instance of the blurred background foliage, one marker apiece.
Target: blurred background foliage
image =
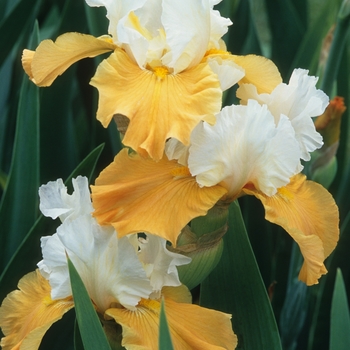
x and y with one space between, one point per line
52 133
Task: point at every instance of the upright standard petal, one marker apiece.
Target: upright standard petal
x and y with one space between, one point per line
51 59
26 314
191 327
56 202
244 147
189 41
160 106
309 214
135 194
218 27
159 263
116 10
299 101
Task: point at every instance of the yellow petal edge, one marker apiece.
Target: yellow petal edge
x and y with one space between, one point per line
26 314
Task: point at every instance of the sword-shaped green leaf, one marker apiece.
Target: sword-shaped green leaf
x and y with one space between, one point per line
164 333
340 318
92 334
235 286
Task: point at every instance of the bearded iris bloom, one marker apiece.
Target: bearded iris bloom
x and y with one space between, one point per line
125 279
167 71
253 149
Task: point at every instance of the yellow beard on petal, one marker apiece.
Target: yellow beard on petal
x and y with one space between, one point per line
285 193
161 72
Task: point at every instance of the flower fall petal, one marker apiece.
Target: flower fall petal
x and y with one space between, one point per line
309 214
51 59
26 314
137 194
160 106
191 326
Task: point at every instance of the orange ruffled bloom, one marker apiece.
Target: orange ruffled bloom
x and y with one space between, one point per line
158 103
135 194
26 314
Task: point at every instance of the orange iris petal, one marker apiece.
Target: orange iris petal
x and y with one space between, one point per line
191 326
159 105
260 72
309 214
26 314
136 194
51 59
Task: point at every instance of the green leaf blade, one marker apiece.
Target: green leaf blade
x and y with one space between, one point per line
15 24
164 333
235 286
18 208
29 249
90 327
340 317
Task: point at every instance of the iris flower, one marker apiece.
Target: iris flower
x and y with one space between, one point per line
253 149
125 278
167 71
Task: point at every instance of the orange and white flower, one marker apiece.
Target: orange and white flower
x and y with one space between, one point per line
125 279
246 152
166 73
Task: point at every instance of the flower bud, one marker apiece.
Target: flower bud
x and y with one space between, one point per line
203 243
323 164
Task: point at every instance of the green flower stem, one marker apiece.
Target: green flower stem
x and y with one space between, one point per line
341 31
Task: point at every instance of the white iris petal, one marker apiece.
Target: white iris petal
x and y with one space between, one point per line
299 101
228 72
244 147
174 149
150 33
160 263
189 41
219 26
56 202
116 10
108 266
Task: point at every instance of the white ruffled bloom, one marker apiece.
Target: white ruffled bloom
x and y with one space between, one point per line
112 269
299 100
244 147
150 33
